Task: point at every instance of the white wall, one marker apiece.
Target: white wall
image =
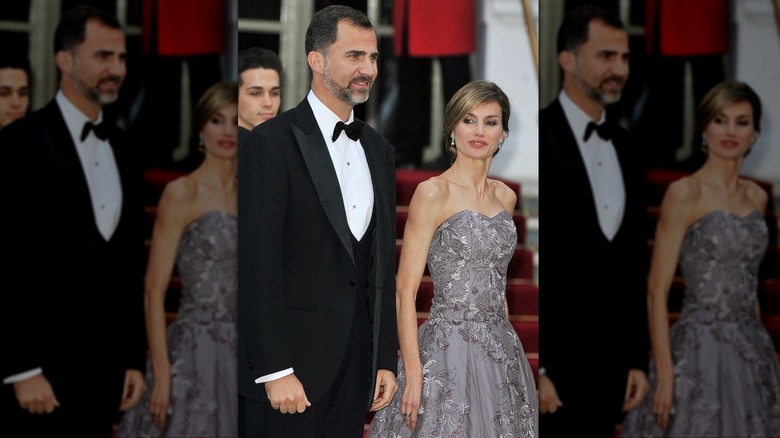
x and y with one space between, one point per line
504 56
757 62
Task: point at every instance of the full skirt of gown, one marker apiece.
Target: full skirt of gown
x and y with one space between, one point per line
726 371
202 341
477 381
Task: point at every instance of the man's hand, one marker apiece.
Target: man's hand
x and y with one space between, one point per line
548 396
36 395
636 389
386 386
134 388
287 395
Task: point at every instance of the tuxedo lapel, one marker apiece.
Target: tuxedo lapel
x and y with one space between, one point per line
318 162
378 169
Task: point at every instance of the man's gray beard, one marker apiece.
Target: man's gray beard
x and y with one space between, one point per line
597 95
604 98
93 93
344 94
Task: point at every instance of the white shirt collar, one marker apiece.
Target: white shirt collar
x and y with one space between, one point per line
74 118
577 118
326 119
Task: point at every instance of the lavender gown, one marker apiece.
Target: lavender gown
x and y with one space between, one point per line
202 340
477 381
726 372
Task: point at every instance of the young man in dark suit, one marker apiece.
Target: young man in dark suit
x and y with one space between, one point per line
317 331
73 332
593 317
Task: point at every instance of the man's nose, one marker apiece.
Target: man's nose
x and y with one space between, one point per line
118 67
368 68
620 67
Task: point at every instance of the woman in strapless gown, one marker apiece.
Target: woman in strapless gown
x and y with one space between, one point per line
715 372
463 373
192 372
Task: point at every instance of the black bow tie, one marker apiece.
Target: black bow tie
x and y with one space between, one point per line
101 130
353 130
603 130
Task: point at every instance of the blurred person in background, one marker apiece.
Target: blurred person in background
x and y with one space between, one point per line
259 87
192 368
15 77
73 336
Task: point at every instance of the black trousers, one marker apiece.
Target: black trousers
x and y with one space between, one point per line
341 413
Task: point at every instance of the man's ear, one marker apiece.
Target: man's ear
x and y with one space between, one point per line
64 61
316 61
567 60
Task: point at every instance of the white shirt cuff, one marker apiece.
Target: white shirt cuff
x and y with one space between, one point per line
274 376
23 376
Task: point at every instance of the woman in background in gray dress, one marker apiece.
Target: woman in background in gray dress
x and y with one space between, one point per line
715 372
192 371
464 373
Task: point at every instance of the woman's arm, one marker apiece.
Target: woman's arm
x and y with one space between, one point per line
677 209
169 224
425 211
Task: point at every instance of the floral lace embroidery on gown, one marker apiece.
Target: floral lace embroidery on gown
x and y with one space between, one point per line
477 381
726 372
202 340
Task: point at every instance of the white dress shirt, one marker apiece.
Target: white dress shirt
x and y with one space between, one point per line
357 190
602 165
99 165
349 161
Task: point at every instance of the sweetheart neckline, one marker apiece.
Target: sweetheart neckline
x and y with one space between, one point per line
473 212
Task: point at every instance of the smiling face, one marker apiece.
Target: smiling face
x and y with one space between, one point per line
732 131
14 94
479 131
220 133
259 96
349 68
598 69
95 69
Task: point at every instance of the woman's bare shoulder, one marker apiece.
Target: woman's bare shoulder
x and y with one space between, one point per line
434 189
682 191
180 192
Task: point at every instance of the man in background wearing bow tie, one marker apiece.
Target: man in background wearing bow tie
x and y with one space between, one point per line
593 317
73 327
316 254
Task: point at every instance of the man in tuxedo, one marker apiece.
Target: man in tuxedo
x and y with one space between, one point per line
316 259
593 330
73 332
259 89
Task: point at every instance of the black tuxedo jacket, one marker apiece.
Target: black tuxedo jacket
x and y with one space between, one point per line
77 307
592 297
242 134
296 270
